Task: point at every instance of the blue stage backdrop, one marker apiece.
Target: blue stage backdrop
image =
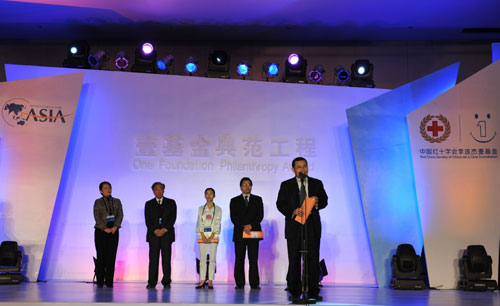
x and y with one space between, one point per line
133 129
495 52
381 147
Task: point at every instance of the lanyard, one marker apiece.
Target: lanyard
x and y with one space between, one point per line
213 216
110 209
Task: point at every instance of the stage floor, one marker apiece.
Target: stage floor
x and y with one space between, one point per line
132 293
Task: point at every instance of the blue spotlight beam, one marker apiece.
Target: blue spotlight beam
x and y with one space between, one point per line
273 70
191 67
381 148
243 69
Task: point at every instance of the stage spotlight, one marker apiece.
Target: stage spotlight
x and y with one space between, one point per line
342 76
316 75
191 65
243 69
293 59
11 259
407 269
147 48
121 61
295 69
163 64
78 53
218 64
476 271
98 59
270 70
362 74
145 59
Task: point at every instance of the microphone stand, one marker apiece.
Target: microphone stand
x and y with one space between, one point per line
304 300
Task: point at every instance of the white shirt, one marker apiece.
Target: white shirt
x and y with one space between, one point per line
159 201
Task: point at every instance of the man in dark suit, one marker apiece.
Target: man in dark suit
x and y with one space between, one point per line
247 211
290 197
160 214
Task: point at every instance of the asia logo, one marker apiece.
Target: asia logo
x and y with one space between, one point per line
19 112
435 129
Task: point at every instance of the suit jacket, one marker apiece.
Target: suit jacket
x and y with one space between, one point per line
167 211
214 223
101 210
288 201
241 215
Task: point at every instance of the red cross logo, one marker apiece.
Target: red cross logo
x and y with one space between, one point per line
435 128
438 124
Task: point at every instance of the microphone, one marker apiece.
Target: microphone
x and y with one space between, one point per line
302 175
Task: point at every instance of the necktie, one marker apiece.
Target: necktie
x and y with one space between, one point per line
246 201
159 202
302 194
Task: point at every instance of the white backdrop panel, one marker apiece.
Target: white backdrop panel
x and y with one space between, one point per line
457 176
35 128
193 133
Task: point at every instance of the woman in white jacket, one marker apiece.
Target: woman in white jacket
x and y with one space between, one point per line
208 230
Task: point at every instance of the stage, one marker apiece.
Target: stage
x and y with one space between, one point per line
135 293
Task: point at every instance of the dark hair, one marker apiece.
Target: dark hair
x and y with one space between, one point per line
296 159
210 188
158 183
101 185
246 179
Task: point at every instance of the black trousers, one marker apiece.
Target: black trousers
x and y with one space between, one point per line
240 248
294 275
157 245
106 246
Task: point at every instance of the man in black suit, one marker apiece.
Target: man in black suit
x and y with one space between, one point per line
290 197
247 211
160 214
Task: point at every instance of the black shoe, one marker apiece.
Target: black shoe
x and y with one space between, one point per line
166 286
316 297
109 285
100 285
201 286
210 287
239 287
255 288
149 286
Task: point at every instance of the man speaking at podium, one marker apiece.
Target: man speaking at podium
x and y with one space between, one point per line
290 198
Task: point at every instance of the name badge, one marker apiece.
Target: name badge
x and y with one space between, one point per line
207 229
110 221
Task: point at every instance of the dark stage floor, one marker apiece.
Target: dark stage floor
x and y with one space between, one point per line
75 293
